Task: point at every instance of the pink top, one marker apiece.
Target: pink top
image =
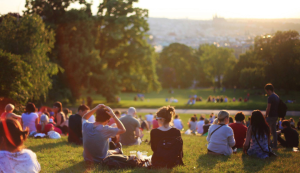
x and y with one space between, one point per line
155 124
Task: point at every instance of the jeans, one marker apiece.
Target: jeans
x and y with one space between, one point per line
272 123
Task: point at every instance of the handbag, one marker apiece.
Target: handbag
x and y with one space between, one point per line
270 152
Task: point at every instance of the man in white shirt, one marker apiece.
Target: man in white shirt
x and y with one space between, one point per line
200 125
149 119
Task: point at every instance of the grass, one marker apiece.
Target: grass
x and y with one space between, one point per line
59 156
157 99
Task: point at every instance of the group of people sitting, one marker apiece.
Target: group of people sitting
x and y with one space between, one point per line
218 99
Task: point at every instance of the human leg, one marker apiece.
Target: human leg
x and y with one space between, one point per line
272 124
282 141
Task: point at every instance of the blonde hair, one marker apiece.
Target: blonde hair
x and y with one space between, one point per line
215 121
222 115
9 107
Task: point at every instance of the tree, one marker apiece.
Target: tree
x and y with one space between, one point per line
25 42
216 62
252 78
178 66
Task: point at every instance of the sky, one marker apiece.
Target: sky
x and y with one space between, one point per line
196 9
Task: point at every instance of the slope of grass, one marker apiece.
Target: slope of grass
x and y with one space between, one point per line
59 156
155 100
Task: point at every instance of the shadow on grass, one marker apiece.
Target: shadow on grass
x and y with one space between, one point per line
211 161
78 167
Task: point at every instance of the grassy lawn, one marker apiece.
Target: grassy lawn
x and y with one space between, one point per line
59 156
158 99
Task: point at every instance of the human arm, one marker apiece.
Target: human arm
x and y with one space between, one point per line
12 115
87 115
137 132
248 139
231 141
153 140
119 124
268 109
58 119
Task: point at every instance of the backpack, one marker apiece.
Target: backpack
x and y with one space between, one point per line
119 161
168 153
282 109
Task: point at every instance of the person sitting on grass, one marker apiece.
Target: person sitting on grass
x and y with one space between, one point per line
248 122
155 123
258 136
193 125
44 127
96 135
291 135
292 123
9 108
220 136
177 123
200 125
75 125
172 156
132 125
205 127
59 117
298 124
30 119
230 120
13 155
239 130
112 121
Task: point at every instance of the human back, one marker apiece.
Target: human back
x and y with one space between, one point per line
131 125
30 118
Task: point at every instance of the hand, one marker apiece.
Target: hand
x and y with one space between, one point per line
100 106
110 112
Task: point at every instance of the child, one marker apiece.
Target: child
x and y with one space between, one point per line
291 135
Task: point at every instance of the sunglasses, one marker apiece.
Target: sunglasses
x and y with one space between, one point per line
159 118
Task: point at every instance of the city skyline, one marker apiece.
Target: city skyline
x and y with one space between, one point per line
195 9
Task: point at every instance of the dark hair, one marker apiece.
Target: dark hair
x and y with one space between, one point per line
259 125
193 119
176 116
117 112
239 116
286 123
230 119
291 119
166 112
66 111
47 113
58 105
16 132
202 118
269 86
102 115
83 108
30 107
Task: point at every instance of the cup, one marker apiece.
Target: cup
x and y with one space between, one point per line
132 153
144 154
295 149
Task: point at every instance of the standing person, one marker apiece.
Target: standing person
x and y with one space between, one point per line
59 117
149 119
13 155
272 112
200 125
174 153
75 125
178 123
291 135
258 136
96 135
132 125
239 130
220 136
30 119
193 125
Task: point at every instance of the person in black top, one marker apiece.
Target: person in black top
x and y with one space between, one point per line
166 142
290 134
298 124
75 125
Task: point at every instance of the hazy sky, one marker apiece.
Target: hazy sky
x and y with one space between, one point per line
197 9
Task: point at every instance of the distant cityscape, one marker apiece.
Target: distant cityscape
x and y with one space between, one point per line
238 34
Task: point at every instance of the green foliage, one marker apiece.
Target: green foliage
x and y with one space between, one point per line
252 77
28 41
177 65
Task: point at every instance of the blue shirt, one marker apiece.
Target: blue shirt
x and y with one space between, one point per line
273 99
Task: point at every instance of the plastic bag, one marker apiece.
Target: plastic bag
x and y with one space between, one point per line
188 132
54 135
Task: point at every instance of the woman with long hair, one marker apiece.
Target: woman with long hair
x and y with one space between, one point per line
45 126
166 142
13 156
258 136
59 117
30 118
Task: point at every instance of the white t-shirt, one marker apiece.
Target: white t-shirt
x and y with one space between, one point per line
29 121
149 117
92 119
177 124
19 162
222 140
200 126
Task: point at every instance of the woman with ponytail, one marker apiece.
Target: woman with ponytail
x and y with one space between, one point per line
44 127
13 156
166 142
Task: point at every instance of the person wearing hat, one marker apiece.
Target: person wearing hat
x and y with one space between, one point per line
45 126
220 136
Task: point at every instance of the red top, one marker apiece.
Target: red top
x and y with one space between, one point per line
239 131
111 121
3 115
46 129
155 124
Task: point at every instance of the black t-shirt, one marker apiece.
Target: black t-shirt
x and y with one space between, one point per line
273 99
75 129
157 135
291 137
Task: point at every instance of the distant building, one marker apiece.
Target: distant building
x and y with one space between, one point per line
217 19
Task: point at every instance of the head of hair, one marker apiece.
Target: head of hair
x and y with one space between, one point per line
240 116
206 121
9 108
176 116
44 121
117 112
201 117
30 107
131 111
259 125
47 113
59 106
215 121
223 115
166 112
249 118
102 115
83 108
291 120
231 120
269 87
193 119
286 123
66 111
16 132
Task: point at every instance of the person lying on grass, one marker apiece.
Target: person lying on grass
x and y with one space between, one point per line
96 135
